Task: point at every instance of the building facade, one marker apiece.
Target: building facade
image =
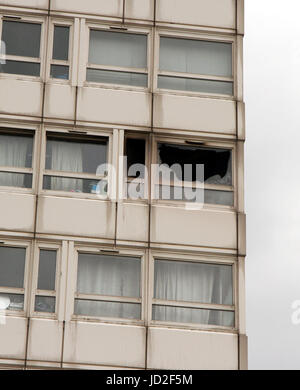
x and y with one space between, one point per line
102 264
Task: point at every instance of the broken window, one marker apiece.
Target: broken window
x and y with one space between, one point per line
135 151
199 166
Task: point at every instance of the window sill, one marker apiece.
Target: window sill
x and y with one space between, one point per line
174 92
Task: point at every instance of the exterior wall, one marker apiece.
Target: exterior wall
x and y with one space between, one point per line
61 341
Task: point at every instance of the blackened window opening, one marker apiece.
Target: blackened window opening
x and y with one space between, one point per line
135 150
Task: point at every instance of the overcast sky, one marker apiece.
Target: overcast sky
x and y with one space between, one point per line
272 96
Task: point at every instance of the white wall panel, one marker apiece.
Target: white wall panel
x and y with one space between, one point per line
132 222
37 4
99 7
60 101
13 338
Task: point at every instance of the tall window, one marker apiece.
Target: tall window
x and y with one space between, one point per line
16 158
117 58
108 286
193 292
195 65
59 68
76 164
12 277
23 47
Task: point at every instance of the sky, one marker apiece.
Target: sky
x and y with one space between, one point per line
272 89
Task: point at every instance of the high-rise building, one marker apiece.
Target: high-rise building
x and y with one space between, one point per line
105 262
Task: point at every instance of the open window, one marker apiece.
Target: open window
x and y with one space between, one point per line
23 46
108 286
61 52
118 58
194 65
76 164
16 158
186 171
193 292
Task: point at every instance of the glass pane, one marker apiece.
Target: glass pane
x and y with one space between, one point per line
195 85
11 301
109 275
44 304
193 316
86 186
20 67
193 282
194 56
217 162
22 180
22 39
16 150
113 77
47 270
76 155
118 49
219 197
59 72
61 43
107 309
12 267
135 190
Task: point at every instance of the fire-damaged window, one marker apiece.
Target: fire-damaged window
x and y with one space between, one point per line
135 152
186 170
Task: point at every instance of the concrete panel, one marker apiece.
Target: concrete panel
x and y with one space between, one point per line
194 113
60 101
174 349
107 344
17 212
213 13
14 97
208 228
139 9
36 4
132 222
13 338
94 7
78 217
114 106
45 340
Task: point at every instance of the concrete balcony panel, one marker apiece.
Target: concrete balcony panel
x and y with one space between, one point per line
113 8
13 338
60 101
132 222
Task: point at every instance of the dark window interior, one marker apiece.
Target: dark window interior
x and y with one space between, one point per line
135 150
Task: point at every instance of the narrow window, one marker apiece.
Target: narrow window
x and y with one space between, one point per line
12 274
196 66
76 164
23 44
60 54
108 286
117 58
135 151
16 158
184 292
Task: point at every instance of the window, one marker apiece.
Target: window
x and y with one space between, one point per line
16 158
195 66
46 285
76 164
12 277
23 47
136 182
193 292
117 58
59 68
185 169
108 286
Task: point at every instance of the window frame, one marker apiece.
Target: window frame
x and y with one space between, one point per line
50 61
46 293
165 33
126 30
72 285
26 19
194 258
17 129
218 187
25 291
77 133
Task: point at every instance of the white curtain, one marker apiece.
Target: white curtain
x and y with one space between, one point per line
67 157
13 152
110 276
191 282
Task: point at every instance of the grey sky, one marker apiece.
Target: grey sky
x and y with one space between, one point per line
272 89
